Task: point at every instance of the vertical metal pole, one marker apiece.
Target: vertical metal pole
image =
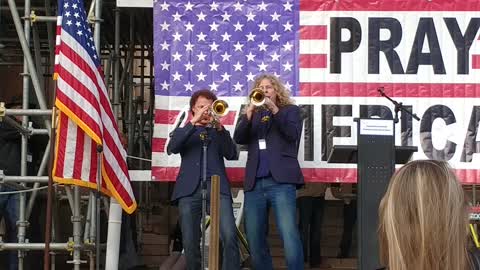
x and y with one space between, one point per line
108 68
22 222
204 197
115 211
90 228
116 70
98 197
77 227
28 55
37 53
96 217
93 218
152 95
51 35
214 245
88 220
131 113
141 102
98 21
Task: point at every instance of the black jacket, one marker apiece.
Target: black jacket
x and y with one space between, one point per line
282 141
10 145
186 141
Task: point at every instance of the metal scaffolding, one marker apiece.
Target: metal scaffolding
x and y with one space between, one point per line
127 58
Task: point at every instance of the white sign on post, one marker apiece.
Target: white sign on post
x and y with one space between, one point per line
135 3
376 127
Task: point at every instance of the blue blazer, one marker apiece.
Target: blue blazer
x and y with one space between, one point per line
187 142
282 141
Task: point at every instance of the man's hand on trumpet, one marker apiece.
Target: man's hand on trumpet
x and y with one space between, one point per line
271 106
249 111
202 116
216 124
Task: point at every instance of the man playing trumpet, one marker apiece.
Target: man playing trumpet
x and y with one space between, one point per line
271 127
188 142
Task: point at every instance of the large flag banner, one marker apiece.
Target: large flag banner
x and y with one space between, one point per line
333 56
86 118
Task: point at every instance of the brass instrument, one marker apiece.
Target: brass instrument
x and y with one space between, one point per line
257 97
219 108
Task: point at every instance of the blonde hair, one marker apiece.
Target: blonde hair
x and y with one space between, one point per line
423 219
283 96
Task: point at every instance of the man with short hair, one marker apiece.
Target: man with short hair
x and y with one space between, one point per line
188 142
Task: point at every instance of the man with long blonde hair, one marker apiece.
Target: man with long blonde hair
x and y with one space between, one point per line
424 219
272 133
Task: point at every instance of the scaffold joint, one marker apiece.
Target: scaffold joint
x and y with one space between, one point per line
70 245
33 16
2 110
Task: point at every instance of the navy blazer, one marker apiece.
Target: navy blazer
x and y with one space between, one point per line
190 149
282 141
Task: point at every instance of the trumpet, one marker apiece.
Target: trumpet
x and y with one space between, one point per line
219 108
257 97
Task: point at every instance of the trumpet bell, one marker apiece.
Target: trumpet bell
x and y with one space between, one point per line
220 107
257 97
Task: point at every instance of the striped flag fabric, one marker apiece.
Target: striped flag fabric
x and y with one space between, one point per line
222 46
86 117
58 31
333 56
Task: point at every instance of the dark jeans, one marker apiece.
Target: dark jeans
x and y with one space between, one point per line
9 210
349 219
310 227
281 197
190 211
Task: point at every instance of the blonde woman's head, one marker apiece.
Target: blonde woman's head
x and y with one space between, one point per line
423 219
273 88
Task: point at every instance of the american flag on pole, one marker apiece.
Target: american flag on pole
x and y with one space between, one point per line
86 117
222 46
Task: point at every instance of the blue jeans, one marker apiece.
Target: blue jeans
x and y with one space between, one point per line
190 211
9 210
282 198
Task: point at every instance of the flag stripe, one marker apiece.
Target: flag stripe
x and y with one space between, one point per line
90 159
79 147
313 46
313 32
427 90
62 140
165 116
158 144
70 149
313 60
324 175
392 5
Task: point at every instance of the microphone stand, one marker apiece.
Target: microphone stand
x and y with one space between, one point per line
398 106
205 140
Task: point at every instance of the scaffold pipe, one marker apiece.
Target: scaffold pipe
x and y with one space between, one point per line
29 112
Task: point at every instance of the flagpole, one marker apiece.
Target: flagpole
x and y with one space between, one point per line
97 206
48 215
